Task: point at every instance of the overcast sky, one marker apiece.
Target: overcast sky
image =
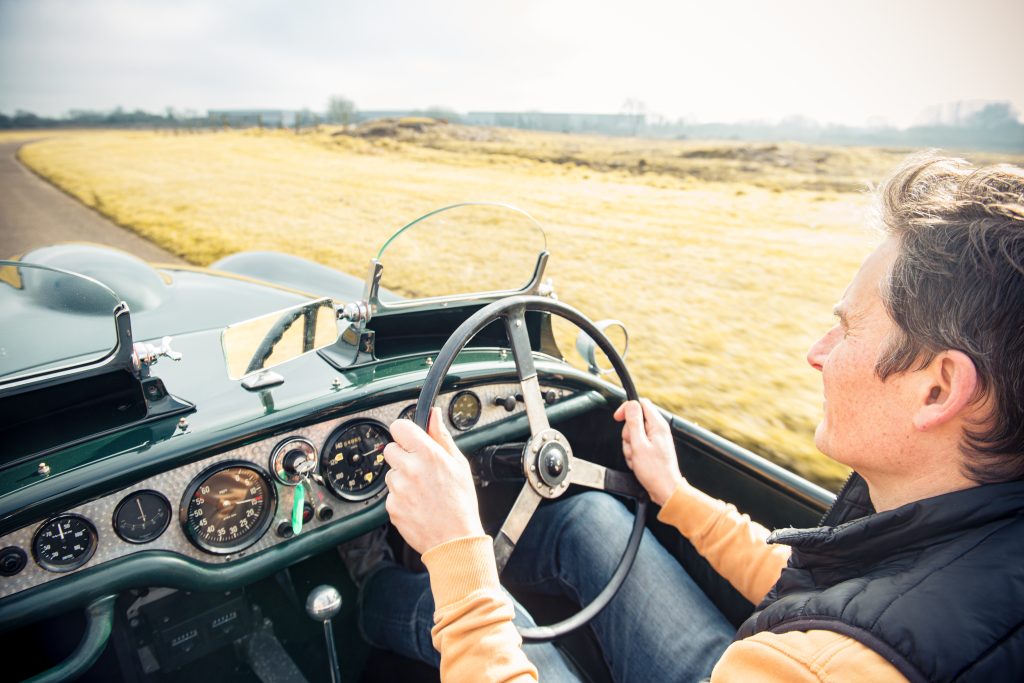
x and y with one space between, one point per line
726 60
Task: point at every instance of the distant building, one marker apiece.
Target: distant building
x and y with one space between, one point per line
604 124
608 124
250 118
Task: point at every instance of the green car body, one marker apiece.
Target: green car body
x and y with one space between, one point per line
61 465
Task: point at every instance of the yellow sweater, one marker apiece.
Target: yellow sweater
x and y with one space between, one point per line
474 633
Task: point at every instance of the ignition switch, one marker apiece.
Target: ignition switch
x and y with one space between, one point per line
293 460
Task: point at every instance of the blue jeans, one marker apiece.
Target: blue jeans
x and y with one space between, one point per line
659 627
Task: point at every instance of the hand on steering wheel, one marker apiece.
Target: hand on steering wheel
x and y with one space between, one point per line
433 499
548 461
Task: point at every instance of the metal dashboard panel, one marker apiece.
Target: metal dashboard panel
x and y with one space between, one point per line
173 484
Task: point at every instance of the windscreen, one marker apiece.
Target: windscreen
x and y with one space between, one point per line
51 319
462 249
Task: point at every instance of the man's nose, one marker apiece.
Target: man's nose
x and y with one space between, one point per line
820 349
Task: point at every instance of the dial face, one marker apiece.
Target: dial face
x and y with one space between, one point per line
352 461
464 410
64 543
228 508
142 516
408 413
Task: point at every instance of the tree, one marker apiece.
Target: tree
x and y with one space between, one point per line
340 110
994 115
636 110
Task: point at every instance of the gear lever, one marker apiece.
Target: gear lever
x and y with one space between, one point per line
323 604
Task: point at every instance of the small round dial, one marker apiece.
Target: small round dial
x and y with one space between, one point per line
352 461
142 516
228 507
64 543
464 410
408 413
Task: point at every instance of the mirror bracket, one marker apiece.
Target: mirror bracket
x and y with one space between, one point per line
371 295
360 312
356 346
264 379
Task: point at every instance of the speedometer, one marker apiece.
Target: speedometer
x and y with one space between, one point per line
352 461
228 507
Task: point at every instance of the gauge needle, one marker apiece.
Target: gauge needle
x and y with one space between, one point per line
60 530
228 503
141 512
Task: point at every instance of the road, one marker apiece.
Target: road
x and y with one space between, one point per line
33 214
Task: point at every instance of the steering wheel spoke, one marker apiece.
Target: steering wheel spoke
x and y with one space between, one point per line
511 531
519 339
536 415
594 476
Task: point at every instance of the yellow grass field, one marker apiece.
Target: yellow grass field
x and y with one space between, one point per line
723 259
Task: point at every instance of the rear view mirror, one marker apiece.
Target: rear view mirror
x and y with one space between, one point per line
261 343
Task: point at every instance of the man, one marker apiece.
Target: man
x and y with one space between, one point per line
917 572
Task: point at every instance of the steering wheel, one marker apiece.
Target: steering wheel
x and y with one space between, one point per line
548 461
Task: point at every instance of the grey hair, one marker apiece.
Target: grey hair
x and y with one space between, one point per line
957 282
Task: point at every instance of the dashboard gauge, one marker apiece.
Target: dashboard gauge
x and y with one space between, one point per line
408 413
352 461
228 507
464 410
142 516
64 543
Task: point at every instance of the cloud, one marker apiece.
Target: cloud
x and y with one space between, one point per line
728 61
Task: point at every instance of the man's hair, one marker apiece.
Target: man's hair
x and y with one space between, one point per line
957 282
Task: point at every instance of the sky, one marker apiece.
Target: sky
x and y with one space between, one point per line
855 63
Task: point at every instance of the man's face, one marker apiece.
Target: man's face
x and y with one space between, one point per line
867 422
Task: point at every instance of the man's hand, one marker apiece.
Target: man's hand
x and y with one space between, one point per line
432 498
649 449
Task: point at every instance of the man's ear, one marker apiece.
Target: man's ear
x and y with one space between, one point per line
948 386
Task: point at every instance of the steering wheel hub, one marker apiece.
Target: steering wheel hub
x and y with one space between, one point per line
547 462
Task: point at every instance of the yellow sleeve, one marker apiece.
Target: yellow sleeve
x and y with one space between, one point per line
734 545
803 657
473 627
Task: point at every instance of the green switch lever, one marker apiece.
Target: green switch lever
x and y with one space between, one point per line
299 499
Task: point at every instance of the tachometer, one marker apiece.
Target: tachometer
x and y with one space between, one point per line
228 507
352 461
64 543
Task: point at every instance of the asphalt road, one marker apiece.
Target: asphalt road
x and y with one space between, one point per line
33 214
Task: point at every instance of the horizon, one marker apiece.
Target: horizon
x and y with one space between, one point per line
941 115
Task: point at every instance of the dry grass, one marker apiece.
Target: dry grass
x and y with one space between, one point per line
37 134
722 259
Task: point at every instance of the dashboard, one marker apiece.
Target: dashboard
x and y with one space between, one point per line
242 501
